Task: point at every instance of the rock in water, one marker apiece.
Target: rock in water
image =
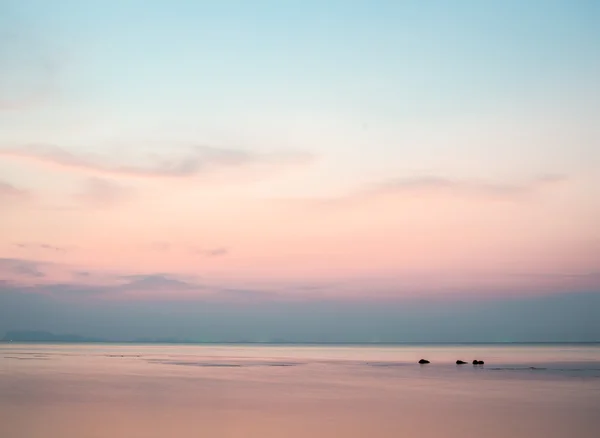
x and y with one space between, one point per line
478 362
460 362
481 362
424 361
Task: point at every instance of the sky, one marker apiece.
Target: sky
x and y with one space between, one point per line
267 169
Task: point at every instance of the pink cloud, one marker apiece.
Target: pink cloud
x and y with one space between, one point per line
436 186
10 193
103 193
198 160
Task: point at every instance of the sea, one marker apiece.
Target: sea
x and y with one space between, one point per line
316 391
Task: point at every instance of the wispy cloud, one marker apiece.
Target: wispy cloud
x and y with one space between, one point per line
441 186
9 192
42 246
62 280
211 252
462 187
38 274
198 160
165 246
151 287
101 192
158 282
82 274
20 268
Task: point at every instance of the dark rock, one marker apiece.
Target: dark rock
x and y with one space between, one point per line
424 361
481 362
460 362
478 362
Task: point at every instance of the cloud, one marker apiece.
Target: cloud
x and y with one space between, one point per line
157 282
162 246
173 283
217 252
8 192
57 278
213 252
32 273
102 193
197 161
20 268
82 274
441 186
431 184
42 246
62 281
155 286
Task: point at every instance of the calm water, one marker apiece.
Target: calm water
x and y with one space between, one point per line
128 391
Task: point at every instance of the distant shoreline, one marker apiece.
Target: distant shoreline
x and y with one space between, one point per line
324 344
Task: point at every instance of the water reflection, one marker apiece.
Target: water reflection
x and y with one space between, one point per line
69 391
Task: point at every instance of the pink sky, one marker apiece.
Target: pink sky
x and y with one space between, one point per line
436 158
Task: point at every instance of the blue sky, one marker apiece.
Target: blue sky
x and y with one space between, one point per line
401 71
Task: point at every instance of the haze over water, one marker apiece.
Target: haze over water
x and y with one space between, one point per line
128 391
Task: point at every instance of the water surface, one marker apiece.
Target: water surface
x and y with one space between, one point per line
128 391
